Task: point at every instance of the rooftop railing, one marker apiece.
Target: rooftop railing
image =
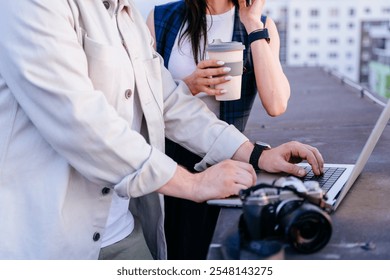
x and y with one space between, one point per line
364 92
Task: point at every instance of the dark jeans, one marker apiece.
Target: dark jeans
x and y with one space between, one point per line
189 226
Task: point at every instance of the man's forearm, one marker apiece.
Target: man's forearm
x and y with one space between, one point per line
243 152
218 181
180 185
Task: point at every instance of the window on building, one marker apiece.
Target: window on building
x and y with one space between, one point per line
366 26
334 25
351 41
283 12
297 26
364 69
366 41
367 10
381 43
296 55
351 25
314 26
333 12
366 56
313 41
296 41
314 13
351 11
333 55
313 55
333 41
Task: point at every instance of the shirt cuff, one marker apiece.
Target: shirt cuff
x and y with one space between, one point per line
223 148
154 173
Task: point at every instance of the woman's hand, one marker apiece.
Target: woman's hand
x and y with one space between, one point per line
250 15
207 74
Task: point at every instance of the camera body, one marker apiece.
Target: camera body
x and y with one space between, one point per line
290 210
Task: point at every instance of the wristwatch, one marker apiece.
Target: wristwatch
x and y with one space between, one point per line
256 153
258 35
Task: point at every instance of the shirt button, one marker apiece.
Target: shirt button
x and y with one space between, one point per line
96 236
105 191
106 4
128 93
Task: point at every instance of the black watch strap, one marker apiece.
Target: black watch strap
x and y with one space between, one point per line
256 153
258 35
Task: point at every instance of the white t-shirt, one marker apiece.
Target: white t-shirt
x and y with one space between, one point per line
120 221
181 62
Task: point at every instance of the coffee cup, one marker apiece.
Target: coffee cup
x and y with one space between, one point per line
232 54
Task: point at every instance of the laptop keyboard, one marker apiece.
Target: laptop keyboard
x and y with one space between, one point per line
326 180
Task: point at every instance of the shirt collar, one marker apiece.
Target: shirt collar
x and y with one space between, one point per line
114 6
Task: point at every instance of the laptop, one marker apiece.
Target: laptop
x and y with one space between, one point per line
337 178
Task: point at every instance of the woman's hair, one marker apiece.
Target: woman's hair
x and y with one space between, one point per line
196 30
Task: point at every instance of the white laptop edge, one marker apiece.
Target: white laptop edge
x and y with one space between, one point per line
366 152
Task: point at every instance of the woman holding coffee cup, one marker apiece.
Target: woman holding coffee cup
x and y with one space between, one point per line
187 34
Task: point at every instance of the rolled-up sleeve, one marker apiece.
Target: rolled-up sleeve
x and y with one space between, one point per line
224 147
156 172
189 122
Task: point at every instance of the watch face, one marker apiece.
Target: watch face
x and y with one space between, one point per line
263 144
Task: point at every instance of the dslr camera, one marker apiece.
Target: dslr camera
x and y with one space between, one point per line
290 211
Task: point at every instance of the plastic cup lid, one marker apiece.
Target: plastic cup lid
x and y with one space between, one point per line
218 46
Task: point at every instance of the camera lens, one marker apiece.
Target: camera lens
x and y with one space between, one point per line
307 228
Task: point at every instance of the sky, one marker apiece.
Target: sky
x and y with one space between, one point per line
145 6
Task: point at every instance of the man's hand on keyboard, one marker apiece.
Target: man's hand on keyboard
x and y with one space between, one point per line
284 157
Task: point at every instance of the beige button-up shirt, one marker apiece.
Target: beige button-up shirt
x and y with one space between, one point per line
66 141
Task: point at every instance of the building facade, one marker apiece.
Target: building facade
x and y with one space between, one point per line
347 36
330 33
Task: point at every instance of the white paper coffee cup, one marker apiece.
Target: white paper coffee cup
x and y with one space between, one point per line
232 54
